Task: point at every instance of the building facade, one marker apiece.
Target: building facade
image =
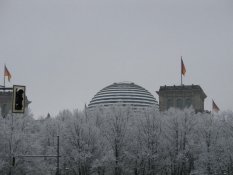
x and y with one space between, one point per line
181 97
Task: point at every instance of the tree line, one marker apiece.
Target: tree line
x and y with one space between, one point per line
119 141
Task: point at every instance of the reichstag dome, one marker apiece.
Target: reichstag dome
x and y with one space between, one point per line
123 94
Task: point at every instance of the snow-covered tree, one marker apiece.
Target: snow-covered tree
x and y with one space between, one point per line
119 141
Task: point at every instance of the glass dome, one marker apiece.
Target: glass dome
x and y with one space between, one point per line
124 94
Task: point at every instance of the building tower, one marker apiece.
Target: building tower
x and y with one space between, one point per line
181 97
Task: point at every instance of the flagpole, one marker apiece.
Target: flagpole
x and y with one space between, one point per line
212 106
4 77
4 82
181 71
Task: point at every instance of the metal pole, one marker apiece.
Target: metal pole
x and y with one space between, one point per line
36 156
4 83
4 76
181 71
58 173
11 144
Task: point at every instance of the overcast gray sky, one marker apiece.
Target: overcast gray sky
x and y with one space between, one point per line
65 51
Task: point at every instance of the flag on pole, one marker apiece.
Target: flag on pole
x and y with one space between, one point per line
183 69
215 108
7 73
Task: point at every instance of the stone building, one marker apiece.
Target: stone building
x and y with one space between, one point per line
181 97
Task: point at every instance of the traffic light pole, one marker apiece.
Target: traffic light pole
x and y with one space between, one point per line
58 156
11 144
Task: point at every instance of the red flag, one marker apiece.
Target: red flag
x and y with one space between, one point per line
215 108
183 69
7 73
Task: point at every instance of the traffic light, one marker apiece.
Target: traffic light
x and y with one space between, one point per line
18 102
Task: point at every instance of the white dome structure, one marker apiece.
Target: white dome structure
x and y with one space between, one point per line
123 94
